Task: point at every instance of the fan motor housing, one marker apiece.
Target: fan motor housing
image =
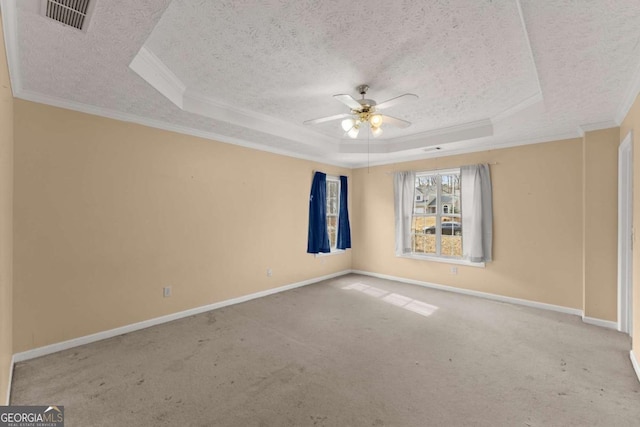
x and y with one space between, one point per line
367 104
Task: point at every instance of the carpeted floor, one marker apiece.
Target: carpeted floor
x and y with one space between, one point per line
352 351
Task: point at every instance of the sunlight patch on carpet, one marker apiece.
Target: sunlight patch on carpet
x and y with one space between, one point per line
402 301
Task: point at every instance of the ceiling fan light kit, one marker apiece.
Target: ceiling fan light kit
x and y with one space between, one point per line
364 111
352 126
353 132
347 124
376 131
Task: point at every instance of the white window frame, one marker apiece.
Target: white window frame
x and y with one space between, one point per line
334 250
438 215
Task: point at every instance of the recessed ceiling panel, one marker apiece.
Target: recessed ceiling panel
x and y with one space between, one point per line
493 72
466 61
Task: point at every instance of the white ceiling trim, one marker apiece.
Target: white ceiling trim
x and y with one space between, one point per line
529 48
157 124
9 17
151 69
630 96
148 66
532 100
10 26
590 127
456 133
205 106
445 152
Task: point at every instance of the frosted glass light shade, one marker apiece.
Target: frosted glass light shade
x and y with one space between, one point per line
376 120
376 131
347 124
353 132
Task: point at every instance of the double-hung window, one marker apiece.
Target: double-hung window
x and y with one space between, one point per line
329 229
333 210
436 223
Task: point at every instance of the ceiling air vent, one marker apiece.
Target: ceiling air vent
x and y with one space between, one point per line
74 13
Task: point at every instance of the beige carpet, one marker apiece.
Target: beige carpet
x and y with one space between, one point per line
352 351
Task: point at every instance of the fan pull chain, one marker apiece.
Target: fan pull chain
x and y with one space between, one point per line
368 151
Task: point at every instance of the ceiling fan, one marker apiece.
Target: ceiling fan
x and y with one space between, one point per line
365 111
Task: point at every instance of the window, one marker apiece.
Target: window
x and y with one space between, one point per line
329 228
333 210
461 233
436 225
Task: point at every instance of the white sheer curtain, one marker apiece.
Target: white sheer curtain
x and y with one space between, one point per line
404 184
477 213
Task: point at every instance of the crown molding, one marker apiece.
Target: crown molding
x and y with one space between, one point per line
158 124
633 89
146 63
462 132
148 66
590 127
535 98
151 69
529 47
485 146
208 107
523 105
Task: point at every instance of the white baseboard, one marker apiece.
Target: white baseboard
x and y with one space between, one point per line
599 322
486 295
634 362
53 348
10 377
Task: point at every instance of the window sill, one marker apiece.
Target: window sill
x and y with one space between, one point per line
444 260
333 252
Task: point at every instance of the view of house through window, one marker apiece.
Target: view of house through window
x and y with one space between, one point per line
333 209
436 226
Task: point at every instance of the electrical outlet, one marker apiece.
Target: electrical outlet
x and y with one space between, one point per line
166 291
454 270
269 272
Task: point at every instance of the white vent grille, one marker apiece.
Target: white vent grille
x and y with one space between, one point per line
74 13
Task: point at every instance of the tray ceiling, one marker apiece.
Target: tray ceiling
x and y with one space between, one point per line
488 73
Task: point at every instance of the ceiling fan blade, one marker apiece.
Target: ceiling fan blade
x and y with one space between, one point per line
349 101
395 122
397 100
327 119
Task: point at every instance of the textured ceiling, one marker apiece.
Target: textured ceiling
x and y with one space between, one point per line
488 73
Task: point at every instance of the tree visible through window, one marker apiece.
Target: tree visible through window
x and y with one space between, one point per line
436 225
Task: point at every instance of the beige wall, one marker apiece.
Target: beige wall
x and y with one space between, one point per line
6 218
537 200
108 212
600 220
632 123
